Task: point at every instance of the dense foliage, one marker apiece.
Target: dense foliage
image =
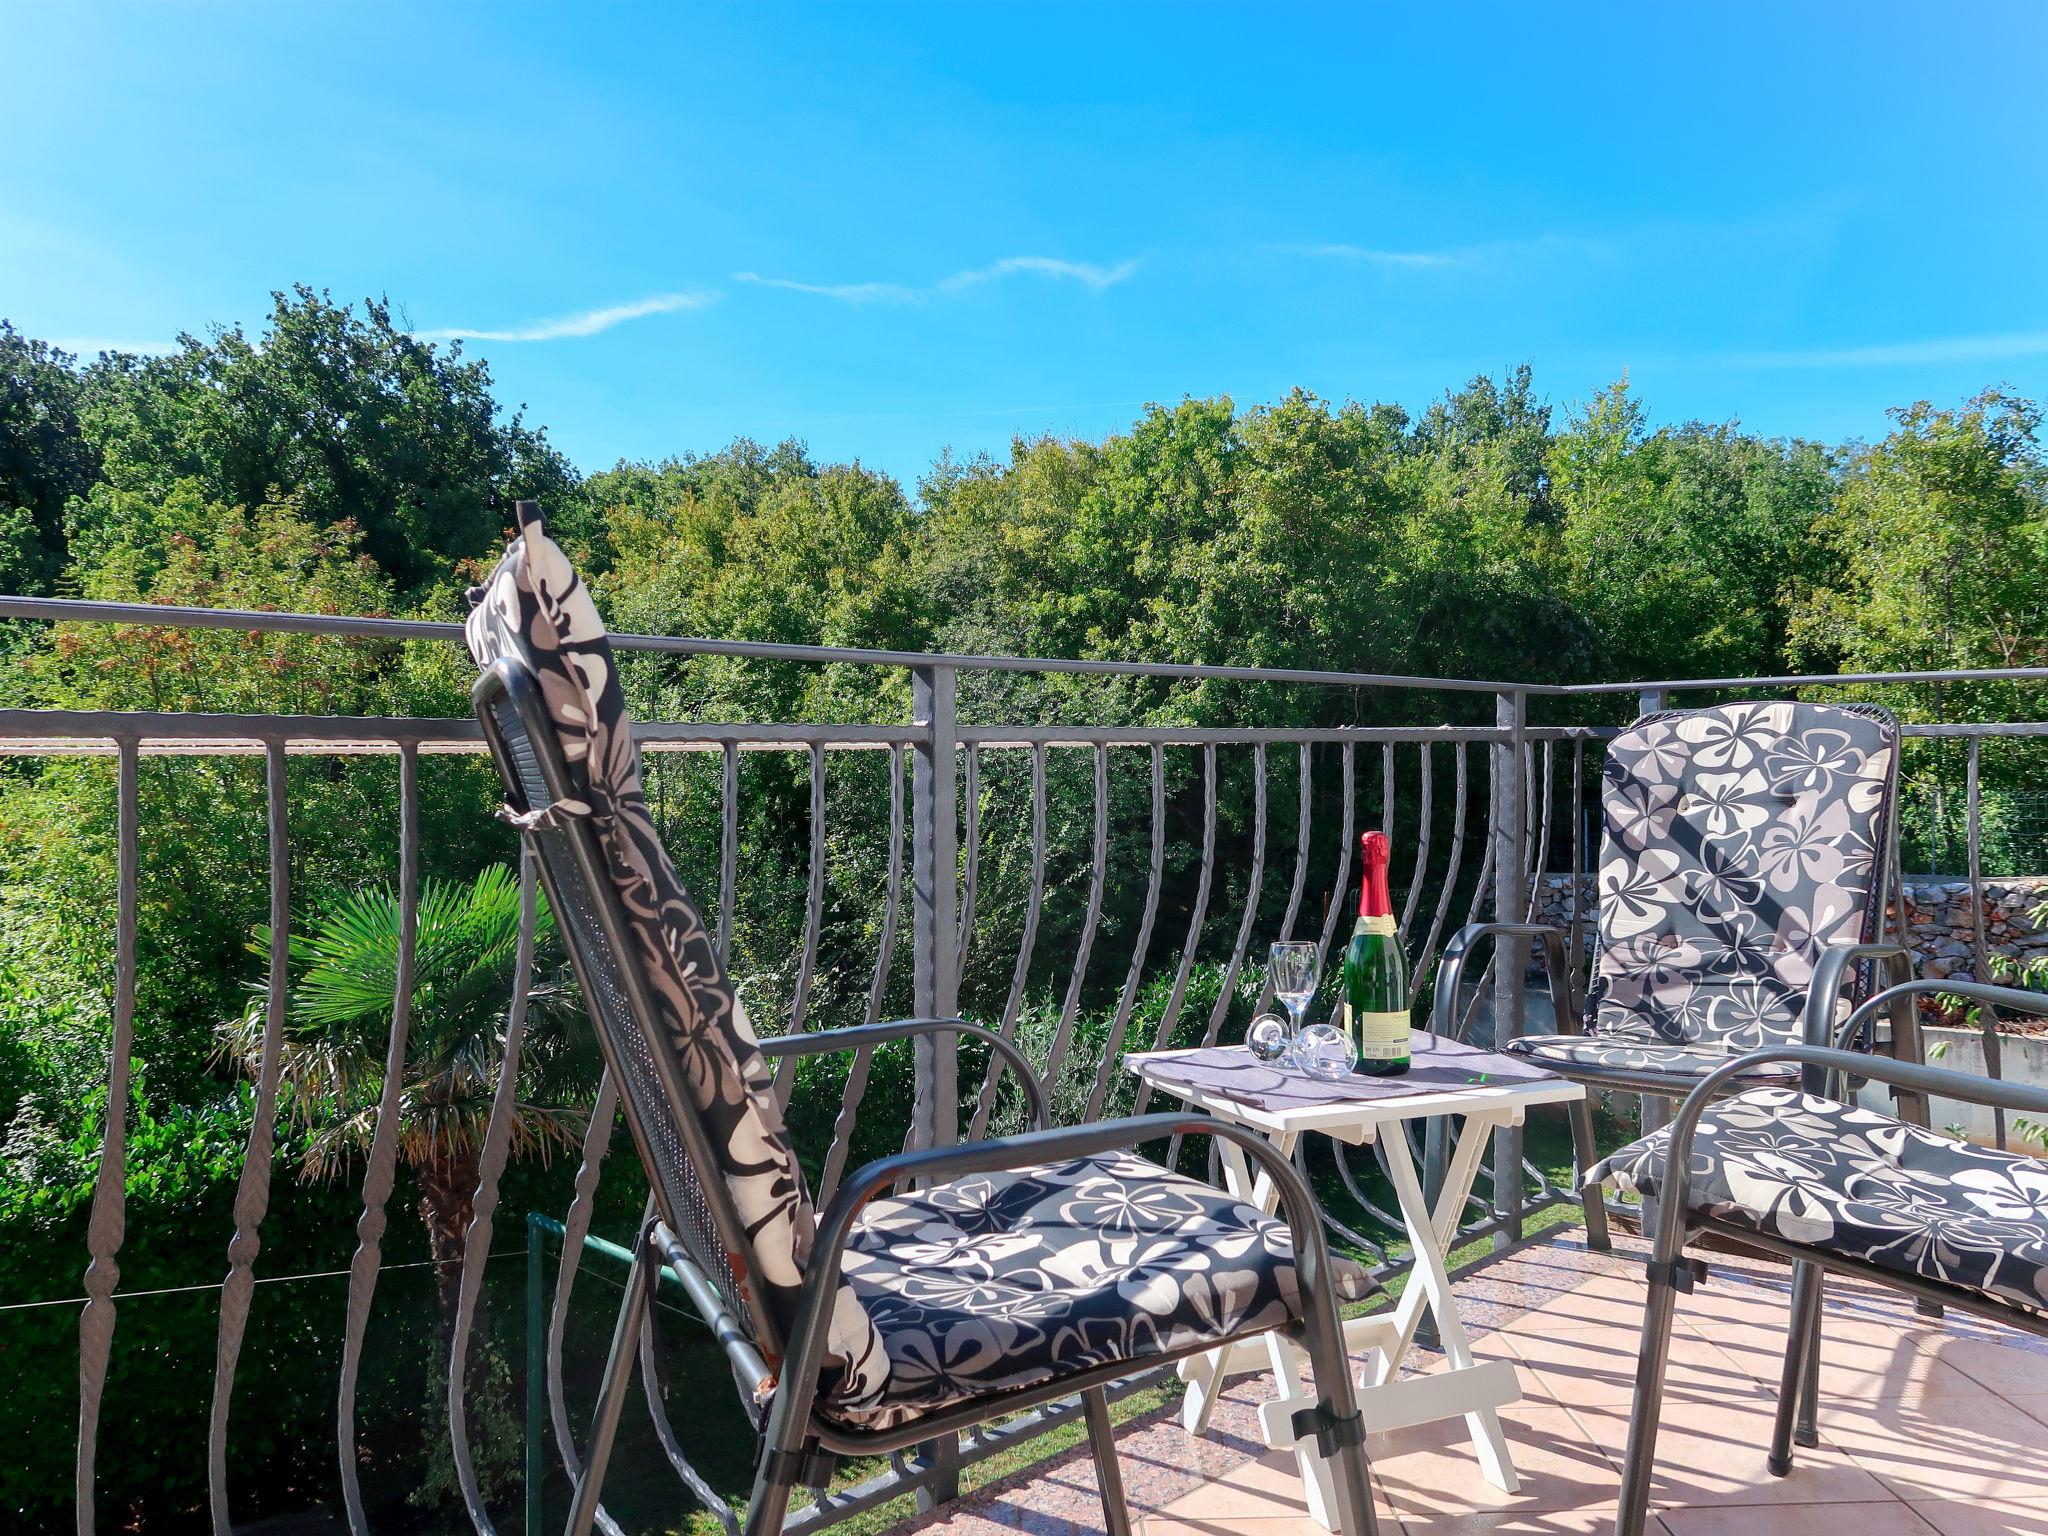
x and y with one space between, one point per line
335 464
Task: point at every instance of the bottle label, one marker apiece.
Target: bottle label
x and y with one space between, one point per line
1378 1036
1382 923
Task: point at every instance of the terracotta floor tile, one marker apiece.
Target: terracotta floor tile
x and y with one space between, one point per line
1985 1519
1859 1361
1599 1369
1268 1488
1595 1521
1711 1452
2005 1369
1964 1447
1429 1470
1175 1525
1888 1518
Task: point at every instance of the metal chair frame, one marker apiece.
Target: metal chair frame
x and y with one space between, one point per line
799 1443
1825 1070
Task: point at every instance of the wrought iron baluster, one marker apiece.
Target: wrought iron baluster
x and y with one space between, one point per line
576 1227
971 794
857 1072
1423 810
1305 800
814 918
1070 1009
497 1148
1443 900
1253 889
728 849
1113 1048
108 1224
252 1194
1170 1015
382 1168
1340 886
985 1100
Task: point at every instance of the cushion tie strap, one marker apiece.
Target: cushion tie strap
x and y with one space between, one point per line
549 818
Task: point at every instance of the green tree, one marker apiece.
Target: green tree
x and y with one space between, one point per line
45 459
1940 539
351 416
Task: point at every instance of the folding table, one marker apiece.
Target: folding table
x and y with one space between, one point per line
1489 1092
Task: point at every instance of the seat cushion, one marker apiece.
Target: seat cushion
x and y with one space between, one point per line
1003 1281
1627 1058
1855 1182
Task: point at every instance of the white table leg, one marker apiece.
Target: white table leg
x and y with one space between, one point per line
1427 1232
1459 1176
1206 1375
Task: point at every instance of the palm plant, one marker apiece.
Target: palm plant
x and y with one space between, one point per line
344 977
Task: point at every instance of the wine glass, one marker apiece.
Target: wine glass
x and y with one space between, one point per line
1293 973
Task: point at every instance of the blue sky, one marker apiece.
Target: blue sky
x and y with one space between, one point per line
890 230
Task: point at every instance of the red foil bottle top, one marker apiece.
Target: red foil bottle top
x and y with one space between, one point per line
1374 900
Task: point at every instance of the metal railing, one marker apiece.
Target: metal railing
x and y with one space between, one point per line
1485 808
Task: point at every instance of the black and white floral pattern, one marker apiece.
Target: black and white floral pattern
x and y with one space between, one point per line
1002 1281
1740 841
536 610
1855 1182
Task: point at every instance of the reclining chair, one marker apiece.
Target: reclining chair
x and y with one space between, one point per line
1016 1271
1742 886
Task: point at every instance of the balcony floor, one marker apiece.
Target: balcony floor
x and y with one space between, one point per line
1927 1428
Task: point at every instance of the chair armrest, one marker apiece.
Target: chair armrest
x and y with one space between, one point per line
1450 970
2013 999
855 1036
835 1223
1826 1060
1829 973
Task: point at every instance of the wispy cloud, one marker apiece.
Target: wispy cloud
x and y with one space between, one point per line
1087 273
1931 352
89 346
585 323
1367 255
846 293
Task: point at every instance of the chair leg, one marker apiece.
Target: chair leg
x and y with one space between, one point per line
1330 1364
1801 1369
1116 1513
1644 1417
611 1397
1808 1433
769 1506
1593 1198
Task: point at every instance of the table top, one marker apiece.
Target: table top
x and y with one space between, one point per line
1352 1109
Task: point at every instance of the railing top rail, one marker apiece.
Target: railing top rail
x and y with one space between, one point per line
1809 680
169 616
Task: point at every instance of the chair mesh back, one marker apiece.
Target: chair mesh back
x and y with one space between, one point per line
1740 841
648 1109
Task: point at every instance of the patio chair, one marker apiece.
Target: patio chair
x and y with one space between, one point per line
1801 1173
1742 884
1015 1272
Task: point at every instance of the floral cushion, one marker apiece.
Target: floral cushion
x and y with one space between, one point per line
1740 842
536 610
1852 1181
1002 1281
1618 1056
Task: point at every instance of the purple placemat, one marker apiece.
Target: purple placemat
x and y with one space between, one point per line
1435 1066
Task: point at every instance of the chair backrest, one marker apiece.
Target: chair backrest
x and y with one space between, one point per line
696 1091
1740 841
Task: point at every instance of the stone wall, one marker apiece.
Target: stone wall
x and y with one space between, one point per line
1938 919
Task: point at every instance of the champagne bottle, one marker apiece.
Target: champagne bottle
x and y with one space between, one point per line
1376 973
